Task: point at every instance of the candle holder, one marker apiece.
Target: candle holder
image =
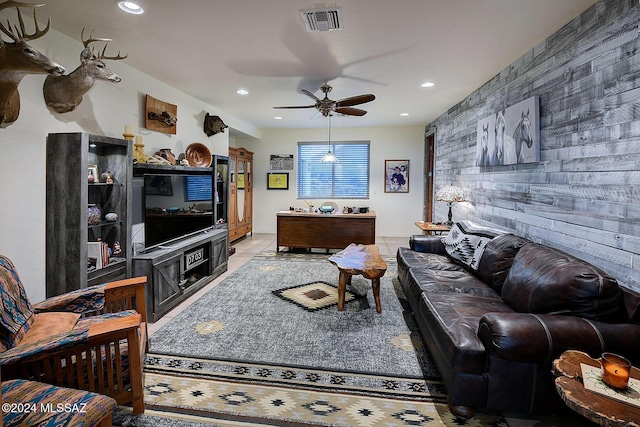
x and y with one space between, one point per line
615 371
128 133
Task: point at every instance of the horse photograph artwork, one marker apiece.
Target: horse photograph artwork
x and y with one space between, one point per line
510 136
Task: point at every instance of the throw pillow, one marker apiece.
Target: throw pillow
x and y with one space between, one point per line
546 280
466 241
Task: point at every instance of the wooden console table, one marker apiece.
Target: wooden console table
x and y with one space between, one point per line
327 231
602 410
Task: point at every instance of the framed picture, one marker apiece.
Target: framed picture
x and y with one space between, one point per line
278 181
281 162
396 176
510 136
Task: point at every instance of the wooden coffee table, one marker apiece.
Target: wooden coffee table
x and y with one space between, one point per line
359 259
602 410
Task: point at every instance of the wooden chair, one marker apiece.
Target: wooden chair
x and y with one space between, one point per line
91 339
31 403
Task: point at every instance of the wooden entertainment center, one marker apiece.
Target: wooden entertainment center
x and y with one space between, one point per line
327 231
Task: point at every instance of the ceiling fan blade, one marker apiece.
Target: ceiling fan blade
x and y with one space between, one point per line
310 94
355 100
297 106
350 111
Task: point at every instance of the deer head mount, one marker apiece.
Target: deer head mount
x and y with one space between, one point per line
18 59
64 93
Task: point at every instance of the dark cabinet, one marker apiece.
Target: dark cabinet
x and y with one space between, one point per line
176 271
88 203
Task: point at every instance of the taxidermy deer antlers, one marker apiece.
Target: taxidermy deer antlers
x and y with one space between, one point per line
64 93
18 59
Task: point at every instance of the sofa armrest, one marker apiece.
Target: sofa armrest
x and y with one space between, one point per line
540 338
428 244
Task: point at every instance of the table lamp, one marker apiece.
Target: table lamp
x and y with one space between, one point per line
450 194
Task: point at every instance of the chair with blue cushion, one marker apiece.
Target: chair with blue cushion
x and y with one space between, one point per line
91 339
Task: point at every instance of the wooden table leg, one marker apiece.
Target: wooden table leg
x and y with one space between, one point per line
375 283
343 280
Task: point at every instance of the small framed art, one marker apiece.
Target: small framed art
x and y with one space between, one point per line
278 181
396 176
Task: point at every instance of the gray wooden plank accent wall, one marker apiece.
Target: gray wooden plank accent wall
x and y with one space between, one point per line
583 197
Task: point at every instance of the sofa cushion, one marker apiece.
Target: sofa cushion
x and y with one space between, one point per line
546 280
453 321
408 258
450 282
497 259
49 324
466 241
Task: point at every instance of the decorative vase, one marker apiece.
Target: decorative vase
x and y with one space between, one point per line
107 177
111 217
166 154
94 214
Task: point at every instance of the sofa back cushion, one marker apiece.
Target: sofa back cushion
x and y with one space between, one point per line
497 259
466 241
546 280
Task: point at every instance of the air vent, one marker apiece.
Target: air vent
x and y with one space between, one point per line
322 19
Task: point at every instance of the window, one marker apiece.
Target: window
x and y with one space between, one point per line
346 179
197 188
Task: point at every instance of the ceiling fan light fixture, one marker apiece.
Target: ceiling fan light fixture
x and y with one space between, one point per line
131 7
329 157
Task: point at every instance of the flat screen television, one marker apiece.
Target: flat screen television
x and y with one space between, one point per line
176 206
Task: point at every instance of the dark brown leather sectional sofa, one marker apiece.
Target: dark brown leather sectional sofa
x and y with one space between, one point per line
494 330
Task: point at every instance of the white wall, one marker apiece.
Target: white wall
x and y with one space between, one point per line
396 212
105 110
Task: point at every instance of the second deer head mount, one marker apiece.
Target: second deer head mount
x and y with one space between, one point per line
64 93
18 59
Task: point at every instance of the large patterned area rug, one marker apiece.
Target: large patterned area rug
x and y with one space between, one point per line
267 346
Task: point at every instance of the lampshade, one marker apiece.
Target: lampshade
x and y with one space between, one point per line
329 157
450 194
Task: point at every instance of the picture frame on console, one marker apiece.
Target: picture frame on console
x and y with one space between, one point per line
396 173
278 181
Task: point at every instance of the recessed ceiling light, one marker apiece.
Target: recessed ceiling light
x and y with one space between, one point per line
404 114
131 7
427 84
278 118
242 92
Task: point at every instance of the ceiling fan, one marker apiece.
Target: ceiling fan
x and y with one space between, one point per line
343 106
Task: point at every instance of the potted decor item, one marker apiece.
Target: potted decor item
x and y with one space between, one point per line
94 214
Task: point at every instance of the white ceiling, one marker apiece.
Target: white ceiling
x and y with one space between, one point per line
210 48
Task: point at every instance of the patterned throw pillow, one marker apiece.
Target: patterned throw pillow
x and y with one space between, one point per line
466 241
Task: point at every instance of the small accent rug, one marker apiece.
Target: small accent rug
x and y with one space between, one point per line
313 296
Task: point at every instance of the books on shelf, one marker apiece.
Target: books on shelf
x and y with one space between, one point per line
98 254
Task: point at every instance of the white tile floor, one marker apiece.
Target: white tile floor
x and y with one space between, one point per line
246 249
